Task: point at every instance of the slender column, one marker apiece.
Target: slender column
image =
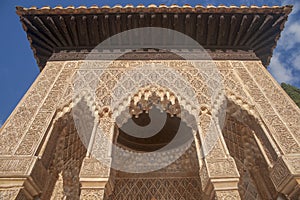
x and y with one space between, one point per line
95 171
219 174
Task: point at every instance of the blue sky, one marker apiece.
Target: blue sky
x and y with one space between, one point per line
18 69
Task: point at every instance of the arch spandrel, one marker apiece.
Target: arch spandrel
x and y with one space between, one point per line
108 77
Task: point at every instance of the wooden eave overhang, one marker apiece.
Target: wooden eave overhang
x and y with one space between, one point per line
252 28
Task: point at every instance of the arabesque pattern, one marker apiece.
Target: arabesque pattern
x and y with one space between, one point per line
247 85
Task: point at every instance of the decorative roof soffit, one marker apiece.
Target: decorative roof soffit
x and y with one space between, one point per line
251 28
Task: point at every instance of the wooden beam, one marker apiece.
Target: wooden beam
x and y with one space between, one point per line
74 30
42 50
265 50
234 27
212 29
40 42
256 21
93 28
271 32
176 22
85 31
33 29
112 25
222 31
201 29
265 42
38 22
55 30
193 26
187 25
118 28
267 21
165 21
129 26
106 27
142 20
243 28
65 30
213 25
153 20
135 23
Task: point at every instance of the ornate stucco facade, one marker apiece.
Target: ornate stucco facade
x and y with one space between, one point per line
256 156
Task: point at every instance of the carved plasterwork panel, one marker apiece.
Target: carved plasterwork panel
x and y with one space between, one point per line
92 194
252 87
185 166
32 116
222 168
227 195
247 187
279 172
22 116
158 188
47 109
58 192
204 177
293 162
280 101
278 127
94 168
15 165
9 193
255 182
232 82
179 180
95 78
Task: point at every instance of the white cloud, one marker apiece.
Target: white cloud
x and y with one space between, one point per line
290 36
285 63
280 73
296 61
291 33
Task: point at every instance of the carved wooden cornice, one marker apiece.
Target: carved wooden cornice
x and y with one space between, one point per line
252 28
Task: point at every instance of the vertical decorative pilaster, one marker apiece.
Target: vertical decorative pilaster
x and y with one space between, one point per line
219 173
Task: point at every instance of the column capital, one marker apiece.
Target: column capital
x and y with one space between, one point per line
223 177
23 174
285 175
94 179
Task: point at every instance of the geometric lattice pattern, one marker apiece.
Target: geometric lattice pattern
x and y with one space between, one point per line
247 188
234 137
157 189
244 150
